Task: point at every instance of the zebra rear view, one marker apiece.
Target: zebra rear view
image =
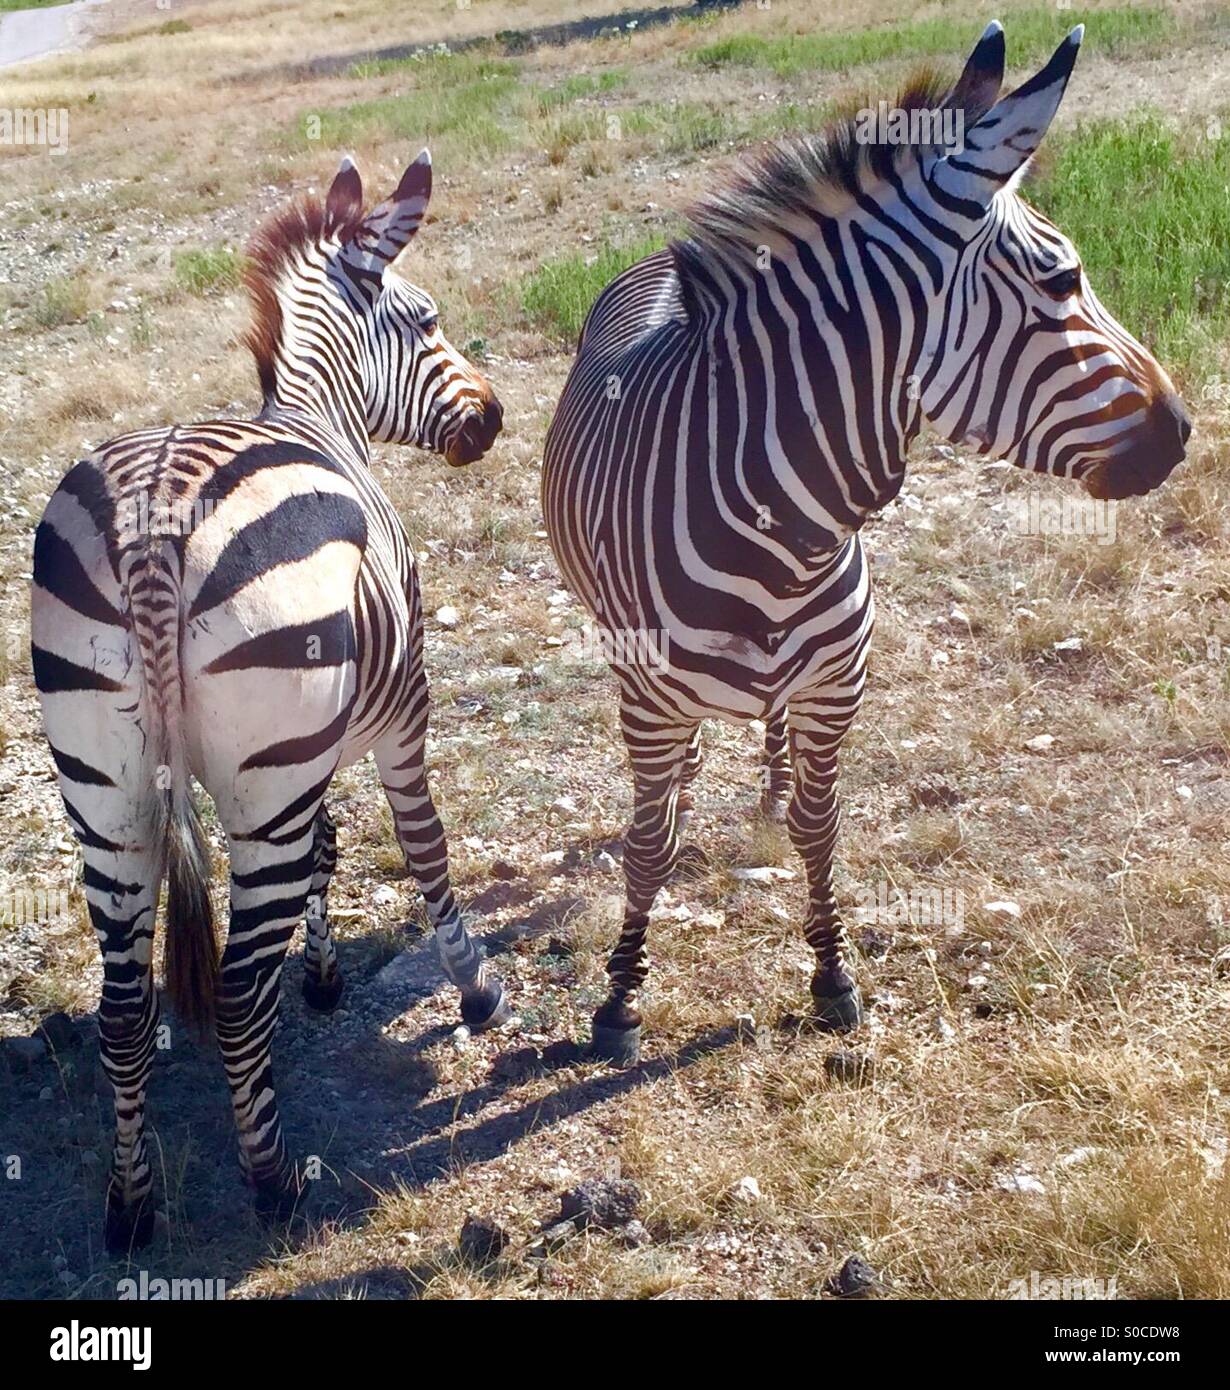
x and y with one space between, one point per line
742 401
236 601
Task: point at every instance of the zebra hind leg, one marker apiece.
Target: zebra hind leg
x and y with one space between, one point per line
122 891
812 820
322 979
484 1004
651 850
775 769
270 878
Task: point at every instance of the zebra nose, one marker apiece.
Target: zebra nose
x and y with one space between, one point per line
1171 408
477 434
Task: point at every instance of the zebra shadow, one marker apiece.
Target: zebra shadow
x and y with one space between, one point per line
362 1110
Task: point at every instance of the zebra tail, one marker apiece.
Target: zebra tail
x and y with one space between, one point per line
190 951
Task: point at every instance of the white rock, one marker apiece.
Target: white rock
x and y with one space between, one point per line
746 1190
1079 1156
1020 1182
765 873
448 617
384 896
1040 743
1069 644
942 1029
1002 908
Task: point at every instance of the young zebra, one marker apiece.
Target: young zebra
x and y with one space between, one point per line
237 602
742 401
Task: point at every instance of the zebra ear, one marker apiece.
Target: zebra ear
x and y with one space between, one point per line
998 146
387 229
344 204
976 90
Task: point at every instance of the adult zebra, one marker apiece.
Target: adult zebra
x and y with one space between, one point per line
237 601
743 400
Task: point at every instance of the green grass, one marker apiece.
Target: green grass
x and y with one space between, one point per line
200 272
558 295
478 101
61 301
1032 35
579 86
1149 213
30 4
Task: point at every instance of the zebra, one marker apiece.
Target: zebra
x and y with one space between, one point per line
742 400
236 602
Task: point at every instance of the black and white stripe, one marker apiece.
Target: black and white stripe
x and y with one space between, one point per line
742 401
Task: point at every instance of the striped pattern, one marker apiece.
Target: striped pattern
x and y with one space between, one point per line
236 602
741 402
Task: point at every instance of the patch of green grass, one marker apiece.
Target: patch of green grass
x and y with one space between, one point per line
202 271
61 301
30 4
1032 36
1149 214
480 102
579 86
558 295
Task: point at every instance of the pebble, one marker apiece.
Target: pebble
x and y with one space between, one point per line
482 1240
448 617
602 1202
855 1279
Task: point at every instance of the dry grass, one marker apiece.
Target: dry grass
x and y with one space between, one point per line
1084 1040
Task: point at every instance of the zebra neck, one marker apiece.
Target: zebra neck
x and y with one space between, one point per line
823 376
338 412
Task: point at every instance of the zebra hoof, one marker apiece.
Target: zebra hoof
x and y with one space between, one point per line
837 1013
277 1200
130 1227
322 995
489 1008
619 1046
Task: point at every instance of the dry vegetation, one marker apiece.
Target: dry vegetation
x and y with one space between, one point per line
1046 1090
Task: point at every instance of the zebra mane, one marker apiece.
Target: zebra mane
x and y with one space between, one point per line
298 227
787 185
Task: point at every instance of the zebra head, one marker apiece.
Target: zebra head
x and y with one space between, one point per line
338 332
417 388
1020 357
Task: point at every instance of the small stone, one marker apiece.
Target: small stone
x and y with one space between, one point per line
1078 1156
46 1093
764 873
1024 1183
1002 908
1040 743
942 1029
384 895
448 617
504 871
634 1235
481 1240
605 862
565 805
746 1191
605 1203
1069 644
855 1279
854 1068
553 1236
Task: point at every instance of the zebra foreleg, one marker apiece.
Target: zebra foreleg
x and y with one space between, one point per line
692 763
122 891
812 819
322 980
269 887
651 850
775 769
421 836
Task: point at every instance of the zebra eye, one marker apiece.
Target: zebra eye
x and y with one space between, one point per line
1063 284
429 325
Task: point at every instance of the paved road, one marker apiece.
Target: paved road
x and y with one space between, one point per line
29 34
